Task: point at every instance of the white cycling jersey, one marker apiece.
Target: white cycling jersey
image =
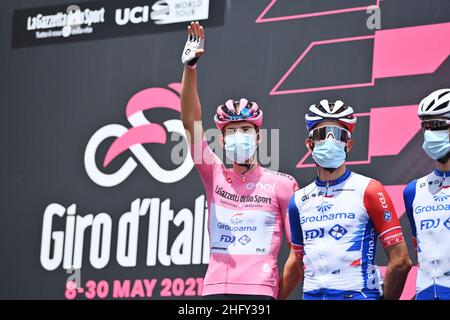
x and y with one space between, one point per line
427 202
334 230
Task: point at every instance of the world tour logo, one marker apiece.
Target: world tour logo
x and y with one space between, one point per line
108 19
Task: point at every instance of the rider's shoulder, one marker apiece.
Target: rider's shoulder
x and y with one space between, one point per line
282 177
284 181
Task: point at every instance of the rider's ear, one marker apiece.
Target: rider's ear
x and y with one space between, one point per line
221 139
259 136
349 145
309 144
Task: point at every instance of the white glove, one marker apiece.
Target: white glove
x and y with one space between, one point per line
193 44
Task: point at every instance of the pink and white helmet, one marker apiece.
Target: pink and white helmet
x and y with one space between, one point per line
234 111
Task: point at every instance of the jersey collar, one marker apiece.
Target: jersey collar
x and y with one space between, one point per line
230 173
334 182
440 173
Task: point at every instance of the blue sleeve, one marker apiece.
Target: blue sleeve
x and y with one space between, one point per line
294 222
408 196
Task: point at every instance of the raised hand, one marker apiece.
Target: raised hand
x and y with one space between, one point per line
194 46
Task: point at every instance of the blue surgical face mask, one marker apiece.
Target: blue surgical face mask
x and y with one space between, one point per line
239 147
436 143
329 153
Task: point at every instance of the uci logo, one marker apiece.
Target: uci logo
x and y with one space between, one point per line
132 15
164 12
142 131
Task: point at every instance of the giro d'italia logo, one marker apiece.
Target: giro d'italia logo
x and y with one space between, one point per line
440 197
142 131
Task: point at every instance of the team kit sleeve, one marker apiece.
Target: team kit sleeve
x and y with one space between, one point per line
382 214
296 229
408 197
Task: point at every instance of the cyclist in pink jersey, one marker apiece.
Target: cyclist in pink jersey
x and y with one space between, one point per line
247 203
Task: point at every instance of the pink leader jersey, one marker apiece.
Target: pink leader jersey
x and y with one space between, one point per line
247 216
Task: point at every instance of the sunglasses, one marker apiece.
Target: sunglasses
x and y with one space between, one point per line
323 133
435 124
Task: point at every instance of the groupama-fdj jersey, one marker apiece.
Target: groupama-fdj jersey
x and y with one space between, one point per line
427 202
334 229
247 215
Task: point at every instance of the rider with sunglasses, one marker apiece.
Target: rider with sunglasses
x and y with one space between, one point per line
336 220
427 201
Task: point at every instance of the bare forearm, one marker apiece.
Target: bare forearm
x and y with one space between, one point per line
289 278
288 282
190 102
395 279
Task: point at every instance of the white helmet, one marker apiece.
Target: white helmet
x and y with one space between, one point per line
435 104
325 110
